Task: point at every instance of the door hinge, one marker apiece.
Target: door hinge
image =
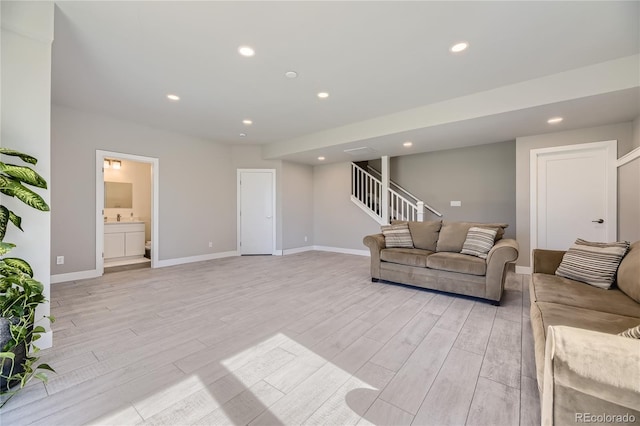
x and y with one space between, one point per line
103 255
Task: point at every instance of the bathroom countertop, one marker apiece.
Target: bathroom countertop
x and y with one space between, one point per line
123 222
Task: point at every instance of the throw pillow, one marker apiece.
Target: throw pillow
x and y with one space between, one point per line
453 234
593 263
397 235
479 241
633 332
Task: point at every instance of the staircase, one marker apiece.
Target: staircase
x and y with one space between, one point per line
396 203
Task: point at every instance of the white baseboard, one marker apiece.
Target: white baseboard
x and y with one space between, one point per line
343 250
525 270
192 259
73 276
297 250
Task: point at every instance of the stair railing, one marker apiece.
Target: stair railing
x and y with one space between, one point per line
406 193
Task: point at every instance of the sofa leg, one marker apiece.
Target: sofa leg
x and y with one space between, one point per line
375 280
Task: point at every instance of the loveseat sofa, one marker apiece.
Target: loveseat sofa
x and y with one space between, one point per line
585 371
436 262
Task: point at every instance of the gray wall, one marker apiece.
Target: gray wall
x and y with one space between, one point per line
622 132
297 205
197 187
337 221
27 32
481 177
629 192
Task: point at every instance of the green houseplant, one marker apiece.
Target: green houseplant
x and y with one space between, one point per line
20 293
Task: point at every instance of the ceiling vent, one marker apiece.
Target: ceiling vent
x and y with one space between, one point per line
360 152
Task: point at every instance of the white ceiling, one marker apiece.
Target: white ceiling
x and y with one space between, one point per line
381 62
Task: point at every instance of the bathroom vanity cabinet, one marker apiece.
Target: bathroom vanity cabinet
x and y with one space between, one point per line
123 240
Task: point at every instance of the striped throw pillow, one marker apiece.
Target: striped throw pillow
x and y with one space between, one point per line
397 235
593 263
479 241
633 332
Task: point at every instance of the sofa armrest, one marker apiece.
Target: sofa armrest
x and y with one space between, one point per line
375 243
589 373
546 261
503 252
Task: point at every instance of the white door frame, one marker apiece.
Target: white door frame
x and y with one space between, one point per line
155 172
611 148
273 206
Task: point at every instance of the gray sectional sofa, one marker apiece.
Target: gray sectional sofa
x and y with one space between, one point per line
583 367
436 263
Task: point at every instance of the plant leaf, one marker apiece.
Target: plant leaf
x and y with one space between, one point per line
5 247
24 157
19 264
23 193
46 367
4 221
16 220
24 174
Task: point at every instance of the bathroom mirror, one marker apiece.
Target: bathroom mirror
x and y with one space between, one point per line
118 195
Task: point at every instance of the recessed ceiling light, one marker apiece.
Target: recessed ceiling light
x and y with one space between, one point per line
555 120
321 158
323 95
407 144
173 97
247 122
459 47
291 74
242 135
246 51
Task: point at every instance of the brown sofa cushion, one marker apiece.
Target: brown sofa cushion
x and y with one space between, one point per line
628 277
545 314
555 289
425 234
453 234
456 262
403 256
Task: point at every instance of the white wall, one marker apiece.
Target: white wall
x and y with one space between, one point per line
139 175
27 32
621 132
197 187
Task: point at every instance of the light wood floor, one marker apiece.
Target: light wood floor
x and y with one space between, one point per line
299 339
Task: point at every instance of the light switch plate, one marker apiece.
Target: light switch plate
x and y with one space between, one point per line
456 203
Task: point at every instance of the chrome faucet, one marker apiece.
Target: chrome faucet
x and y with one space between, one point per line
118 217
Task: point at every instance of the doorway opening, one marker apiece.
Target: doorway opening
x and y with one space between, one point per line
126 211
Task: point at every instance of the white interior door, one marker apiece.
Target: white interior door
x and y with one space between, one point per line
256 211
573 194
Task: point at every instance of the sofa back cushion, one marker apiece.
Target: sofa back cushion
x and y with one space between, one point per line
628 278
453 234
425 234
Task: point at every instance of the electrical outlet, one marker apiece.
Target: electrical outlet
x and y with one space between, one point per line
60 260
456 203
305 238
210 244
